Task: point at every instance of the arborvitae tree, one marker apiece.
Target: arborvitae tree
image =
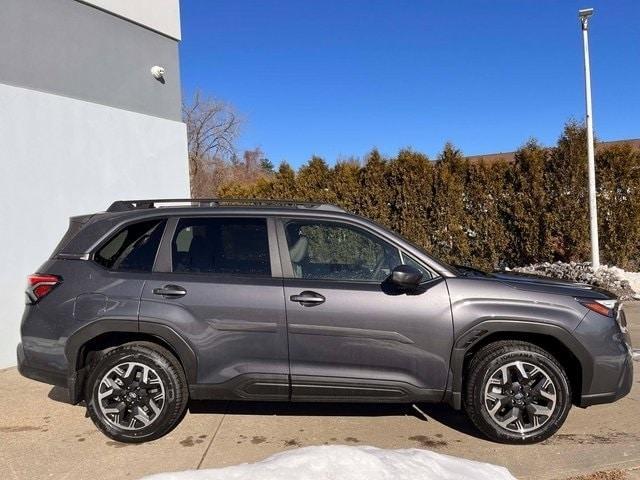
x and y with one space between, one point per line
618 187
485 227
568 198
345 185
528 206
234 190
447 219
279 186
410 181
489 215
283 186
375 197
313 181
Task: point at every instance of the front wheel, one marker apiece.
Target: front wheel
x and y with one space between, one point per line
136 392
516 392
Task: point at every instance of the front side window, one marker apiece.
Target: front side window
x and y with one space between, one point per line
336 251
221 245
408 260
132 249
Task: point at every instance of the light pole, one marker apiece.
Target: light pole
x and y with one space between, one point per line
593 208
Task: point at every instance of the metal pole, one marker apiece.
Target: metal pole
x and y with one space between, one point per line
593 208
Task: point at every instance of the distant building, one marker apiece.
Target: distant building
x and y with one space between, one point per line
510 156
83 121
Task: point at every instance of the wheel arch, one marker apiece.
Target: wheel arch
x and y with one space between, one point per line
107 333
553 338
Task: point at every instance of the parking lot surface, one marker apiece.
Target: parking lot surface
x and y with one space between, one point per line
43 437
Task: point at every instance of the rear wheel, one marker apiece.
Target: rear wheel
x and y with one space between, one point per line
516 392
136 392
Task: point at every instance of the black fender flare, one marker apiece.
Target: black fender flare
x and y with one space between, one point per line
470 337
168 335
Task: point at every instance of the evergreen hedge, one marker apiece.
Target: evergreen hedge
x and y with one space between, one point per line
489 215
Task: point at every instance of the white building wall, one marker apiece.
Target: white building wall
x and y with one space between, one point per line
160 15
61 157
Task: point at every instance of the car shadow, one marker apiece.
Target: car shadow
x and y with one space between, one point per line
59 394
440 413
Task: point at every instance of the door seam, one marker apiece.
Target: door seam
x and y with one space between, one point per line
144 284
276 222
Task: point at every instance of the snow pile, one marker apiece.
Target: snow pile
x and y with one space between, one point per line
613 279
341 462
634 280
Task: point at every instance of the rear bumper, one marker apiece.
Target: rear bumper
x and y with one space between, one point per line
35 373
72 383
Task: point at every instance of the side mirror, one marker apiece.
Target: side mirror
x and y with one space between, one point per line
405 277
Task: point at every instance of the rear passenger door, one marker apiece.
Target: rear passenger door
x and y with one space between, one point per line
113 287
217 282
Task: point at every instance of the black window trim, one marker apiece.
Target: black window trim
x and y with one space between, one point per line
116 231
164 258
285 259
404 254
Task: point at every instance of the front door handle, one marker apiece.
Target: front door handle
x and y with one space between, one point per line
170 291
308 298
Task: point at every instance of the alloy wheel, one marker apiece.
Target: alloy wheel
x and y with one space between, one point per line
131 396
520 397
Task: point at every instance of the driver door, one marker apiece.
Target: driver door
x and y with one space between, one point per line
350 337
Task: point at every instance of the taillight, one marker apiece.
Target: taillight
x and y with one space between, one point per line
40 285
603 307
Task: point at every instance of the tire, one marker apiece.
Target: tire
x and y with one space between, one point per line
540 399
147 387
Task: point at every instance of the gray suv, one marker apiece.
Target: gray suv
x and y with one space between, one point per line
155 302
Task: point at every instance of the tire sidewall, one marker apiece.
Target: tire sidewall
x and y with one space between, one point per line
166 373
559 379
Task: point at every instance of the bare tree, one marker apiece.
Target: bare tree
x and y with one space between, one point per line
250 168
212 129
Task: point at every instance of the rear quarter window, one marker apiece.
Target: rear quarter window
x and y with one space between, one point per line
133 248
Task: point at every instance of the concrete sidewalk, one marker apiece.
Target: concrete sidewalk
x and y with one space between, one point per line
42 437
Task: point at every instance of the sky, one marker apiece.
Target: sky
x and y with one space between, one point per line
337 78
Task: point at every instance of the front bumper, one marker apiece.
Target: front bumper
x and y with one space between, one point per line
608 373
623 387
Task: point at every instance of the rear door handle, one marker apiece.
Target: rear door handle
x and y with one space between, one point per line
170 291
308 298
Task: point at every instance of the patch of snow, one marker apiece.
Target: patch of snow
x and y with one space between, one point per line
342 462
634 281
609 278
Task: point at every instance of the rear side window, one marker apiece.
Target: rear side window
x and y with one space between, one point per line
221 245
133 248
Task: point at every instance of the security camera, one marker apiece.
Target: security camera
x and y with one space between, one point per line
157 72
585 12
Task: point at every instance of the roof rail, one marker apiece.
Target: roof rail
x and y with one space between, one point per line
126 205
